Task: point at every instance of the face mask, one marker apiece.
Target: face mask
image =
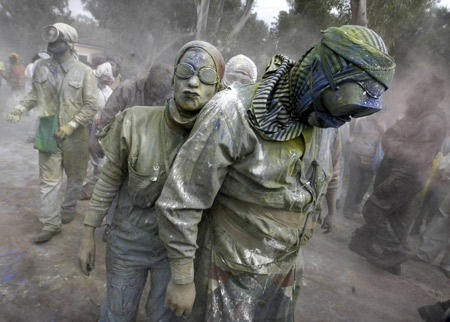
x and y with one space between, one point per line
350 99
57 48
324 120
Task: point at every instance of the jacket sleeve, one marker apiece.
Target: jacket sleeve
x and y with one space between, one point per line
116 103
90 100
115 143
193 183
30 100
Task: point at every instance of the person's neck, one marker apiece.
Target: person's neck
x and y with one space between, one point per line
64 57
181 118
173 125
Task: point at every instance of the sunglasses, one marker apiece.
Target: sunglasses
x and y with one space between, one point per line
206 75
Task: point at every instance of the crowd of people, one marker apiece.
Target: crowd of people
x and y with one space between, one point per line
212 181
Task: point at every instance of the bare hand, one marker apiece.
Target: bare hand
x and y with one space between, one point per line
86 250
180 298
328 224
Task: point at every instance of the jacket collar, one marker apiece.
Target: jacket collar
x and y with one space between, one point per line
66 65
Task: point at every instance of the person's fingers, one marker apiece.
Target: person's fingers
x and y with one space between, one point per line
12 118
83 266
179 311
91 262
327 228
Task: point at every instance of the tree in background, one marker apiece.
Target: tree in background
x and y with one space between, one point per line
297 30
142 31
148 30
21 23
410 28
435 39
359 12
399 22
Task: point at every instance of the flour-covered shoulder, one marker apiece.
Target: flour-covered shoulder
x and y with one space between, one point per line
223 122
229 105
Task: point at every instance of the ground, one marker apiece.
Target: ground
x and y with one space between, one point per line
43 283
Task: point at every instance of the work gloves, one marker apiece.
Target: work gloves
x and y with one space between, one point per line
64 131
14 115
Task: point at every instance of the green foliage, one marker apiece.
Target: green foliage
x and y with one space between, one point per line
145 31
254 42
415 31
432 41
299 29
398 22
412 29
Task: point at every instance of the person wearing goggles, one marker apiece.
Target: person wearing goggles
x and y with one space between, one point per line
141 144
60 38
194 85
259 161
206 75
64 96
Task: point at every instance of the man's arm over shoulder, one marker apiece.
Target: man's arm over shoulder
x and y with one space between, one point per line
194 181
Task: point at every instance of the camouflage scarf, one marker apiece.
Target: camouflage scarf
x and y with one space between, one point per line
289 89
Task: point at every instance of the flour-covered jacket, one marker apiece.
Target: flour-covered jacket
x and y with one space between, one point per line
68 90
265 195
140 149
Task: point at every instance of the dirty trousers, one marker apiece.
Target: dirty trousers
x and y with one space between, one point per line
223 296
360 180
131 254
72 158
387 210
436 237
94 168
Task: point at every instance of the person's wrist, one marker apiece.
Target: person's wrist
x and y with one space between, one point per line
73 124
182 272
88 230
20 108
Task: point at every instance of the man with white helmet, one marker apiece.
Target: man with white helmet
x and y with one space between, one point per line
64 94
105 77
240 70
